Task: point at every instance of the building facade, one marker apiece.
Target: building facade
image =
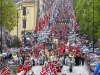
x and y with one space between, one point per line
27 16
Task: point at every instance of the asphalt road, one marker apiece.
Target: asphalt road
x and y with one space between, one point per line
77 70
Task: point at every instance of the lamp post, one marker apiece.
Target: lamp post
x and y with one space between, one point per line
17 29
24 37
1 26
93 27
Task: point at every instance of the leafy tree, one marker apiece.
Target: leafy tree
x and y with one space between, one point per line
8 14
87 12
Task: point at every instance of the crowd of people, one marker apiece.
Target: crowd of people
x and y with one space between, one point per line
30 58
54 51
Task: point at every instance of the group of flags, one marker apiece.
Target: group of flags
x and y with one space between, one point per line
51 12
24 68
67 48
7 71
42 27
44 14
55 16
51 69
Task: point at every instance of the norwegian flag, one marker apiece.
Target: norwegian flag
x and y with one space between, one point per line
43 22
53 69
40 46
20 68
44 72
46 20
62 50
77 50
5 71
44 15
64 29
27 68
77 26
53 29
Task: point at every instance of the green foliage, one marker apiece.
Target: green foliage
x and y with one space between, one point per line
84 11
8 14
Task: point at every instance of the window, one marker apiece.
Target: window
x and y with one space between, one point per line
24 11
24 23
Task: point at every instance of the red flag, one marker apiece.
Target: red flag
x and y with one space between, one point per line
43 72
77 26
20 68
62 49
53 30
52 67
64 29
46 19
58 67
27 68
77 50
43 22
5 71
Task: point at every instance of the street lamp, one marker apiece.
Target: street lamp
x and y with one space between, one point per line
17 29
17 26
93 27
1 26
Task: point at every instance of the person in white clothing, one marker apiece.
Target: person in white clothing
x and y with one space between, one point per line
67 60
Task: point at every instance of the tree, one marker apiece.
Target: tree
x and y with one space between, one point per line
8 14
84 11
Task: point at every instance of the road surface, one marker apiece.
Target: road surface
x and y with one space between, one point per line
77 70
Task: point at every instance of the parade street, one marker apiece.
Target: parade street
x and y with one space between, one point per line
77 70
49 37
